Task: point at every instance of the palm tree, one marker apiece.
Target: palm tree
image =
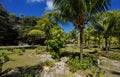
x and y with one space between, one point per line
79 13
45 23
106 23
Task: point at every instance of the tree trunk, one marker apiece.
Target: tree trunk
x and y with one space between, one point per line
81 43
99 41
103 44
89 44
109 45
106 45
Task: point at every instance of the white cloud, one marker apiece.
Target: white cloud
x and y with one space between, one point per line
49 5
31 1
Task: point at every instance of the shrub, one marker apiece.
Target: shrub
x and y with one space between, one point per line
23 49
77 64
10 49
18 51
39 49
48 63
3 58
55 56
54 47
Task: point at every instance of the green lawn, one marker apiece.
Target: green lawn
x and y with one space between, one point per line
29 58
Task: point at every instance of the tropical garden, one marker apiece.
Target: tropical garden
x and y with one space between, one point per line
38 47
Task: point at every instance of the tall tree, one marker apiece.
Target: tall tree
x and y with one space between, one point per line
79 12
8 34
45 23
107 23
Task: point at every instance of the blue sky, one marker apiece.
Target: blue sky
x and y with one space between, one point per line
38 7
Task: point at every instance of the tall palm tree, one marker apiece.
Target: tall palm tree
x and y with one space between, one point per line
79 13
107 23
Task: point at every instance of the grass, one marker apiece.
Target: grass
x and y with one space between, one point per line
27 59
30 58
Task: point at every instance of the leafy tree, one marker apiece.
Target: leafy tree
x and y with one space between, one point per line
35 35
73 34
27 23
45 23
8 34
79 13
106 22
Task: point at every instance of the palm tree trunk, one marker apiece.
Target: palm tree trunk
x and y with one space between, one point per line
103 44
106 45
99 41
81 43
109 45
88 44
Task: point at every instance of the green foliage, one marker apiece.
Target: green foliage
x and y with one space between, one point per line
114 56
77 64
18 51
36 34
54 47
40 49
10 49
55 56
48 63
3 58
23 49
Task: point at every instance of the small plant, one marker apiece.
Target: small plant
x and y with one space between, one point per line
23 49
55 56
39 49
54 47
77 64
10 49
18 51
48 63
3 58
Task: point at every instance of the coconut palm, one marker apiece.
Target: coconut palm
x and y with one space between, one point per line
79 13
107 23
45 23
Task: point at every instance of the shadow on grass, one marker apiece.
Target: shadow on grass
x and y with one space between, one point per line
24 71
115 72
68 54
74 54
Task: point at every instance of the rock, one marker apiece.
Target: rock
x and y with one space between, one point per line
64 59
60 67
78 75
45 57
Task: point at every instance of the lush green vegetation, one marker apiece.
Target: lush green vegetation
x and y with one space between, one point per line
96 32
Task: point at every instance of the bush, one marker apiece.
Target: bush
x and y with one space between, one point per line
18 51
39 49
55 56
48 63
23 49
10 49
54 47
3 58
77 64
